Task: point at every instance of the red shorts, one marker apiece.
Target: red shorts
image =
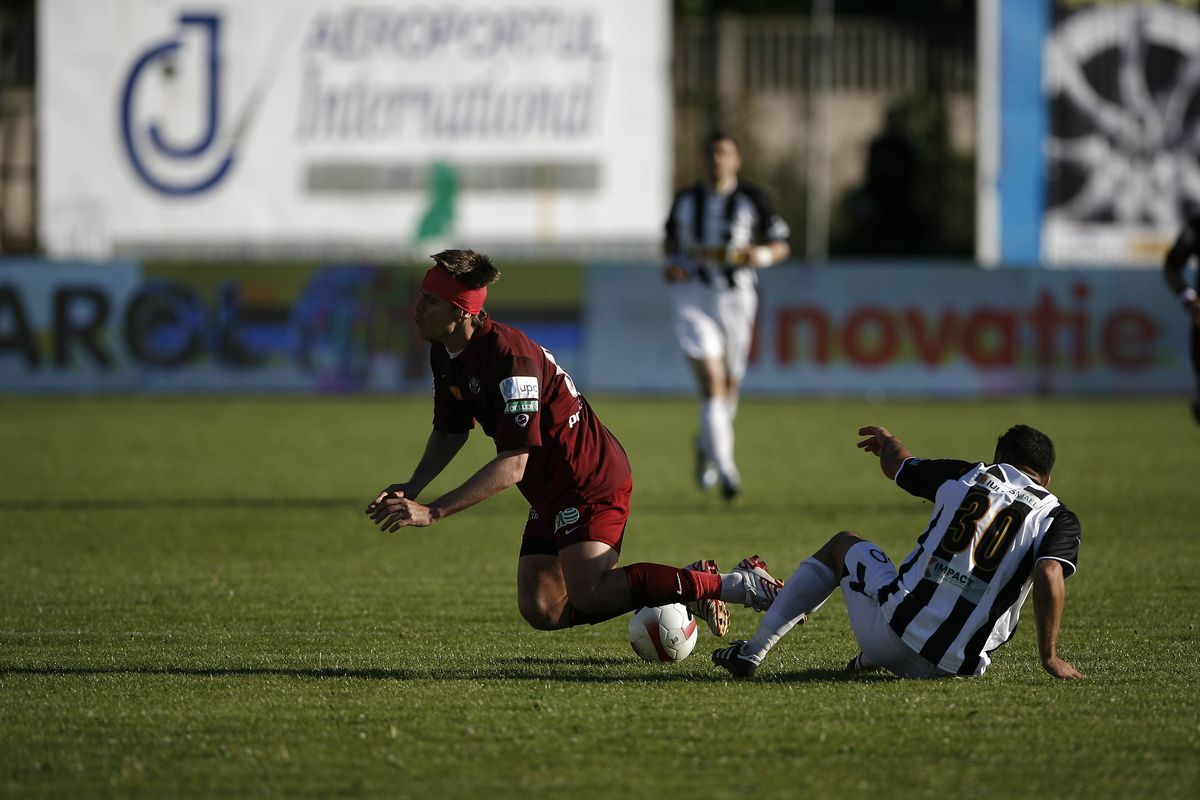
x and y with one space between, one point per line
600 521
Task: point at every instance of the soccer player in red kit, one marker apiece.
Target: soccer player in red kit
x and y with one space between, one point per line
551 445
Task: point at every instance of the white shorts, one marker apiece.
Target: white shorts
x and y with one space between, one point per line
869 570
716 321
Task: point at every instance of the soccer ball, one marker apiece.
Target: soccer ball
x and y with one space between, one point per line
663 633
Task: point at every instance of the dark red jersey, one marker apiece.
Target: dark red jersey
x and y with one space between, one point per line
522 398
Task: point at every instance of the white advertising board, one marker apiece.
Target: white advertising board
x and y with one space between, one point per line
295 128
908 331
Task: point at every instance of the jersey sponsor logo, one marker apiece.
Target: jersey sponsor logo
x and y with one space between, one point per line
456 392
517 406
519 387
996 487
521 419
568 516
941 571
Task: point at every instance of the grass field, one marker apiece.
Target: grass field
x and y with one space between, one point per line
192 603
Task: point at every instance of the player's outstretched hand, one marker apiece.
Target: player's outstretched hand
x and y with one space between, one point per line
1061 669
877 436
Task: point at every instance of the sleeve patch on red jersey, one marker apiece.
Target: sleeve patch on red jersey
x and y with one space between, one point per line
519 387
519 406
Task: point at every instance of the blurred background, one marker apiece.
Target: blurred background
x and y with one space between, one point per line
242 198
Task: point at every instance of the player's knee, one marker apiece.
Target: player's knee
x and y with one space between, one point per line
540 615
833 553
845 539
587 600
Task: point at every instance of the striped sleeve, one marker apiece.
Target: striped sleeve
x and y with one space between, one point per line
922 477
1061 541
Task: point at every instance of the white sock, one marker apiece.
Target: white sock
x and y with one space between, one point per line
716 436
731 402
803 593
733 587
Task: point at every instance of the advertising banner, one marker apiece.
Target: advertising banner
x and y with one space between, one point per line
860 331
1089 130
896 331
331 129
1123 142
122 327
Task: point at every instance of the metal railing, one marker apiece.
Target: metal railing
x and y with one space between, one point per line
771 54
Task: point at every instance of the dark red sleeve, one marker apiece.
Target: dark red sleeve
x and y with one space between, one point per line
521 385
450 414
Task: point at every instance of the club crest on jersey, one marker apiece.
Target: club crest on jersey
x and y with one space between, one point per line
473 385
533 514
517 406
519 387
568 516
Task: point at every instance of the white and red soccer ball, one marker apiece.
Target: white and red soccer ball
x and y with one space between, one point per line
663 633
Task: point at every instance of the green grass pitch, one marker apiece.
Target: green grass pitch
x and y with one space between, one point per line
192 603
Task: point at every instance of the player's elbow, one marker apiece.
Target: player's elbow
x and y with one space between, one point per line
513 463
1048 571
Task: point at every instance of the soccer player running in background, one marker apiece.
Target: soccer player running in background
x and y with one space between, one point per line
1185 247
551 445
717 234
995 533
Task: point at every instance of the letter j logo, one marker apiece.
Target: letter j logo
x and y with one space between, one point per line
180 154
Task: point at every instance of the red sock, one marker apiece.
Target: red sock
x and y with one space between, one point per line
658 584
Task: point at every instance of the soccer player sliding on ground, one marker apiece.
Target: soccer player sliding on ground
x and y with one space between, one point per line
566 463
995 533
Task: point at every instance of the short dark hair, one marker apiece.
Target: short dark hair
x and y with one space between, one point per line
719 136
471 269
1023 446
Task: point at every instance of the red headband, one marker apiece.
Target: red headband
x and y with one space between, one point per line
447 287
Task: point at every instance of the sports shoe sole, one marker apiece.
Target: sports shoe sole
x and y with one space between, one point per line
714 612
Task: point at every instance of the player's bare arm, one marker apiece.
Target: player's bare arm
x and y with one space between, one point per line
891 451
505 470
440 450
1049 597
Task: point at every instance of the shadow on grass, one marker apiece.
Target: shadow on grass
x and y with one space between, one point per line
190 504
801 504
569 670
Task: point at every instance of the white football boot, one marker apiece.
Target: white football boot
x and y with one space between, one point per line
761 588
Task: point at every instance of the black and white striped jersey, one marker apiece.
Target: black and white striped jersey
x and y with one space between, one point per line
704 226
958 594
